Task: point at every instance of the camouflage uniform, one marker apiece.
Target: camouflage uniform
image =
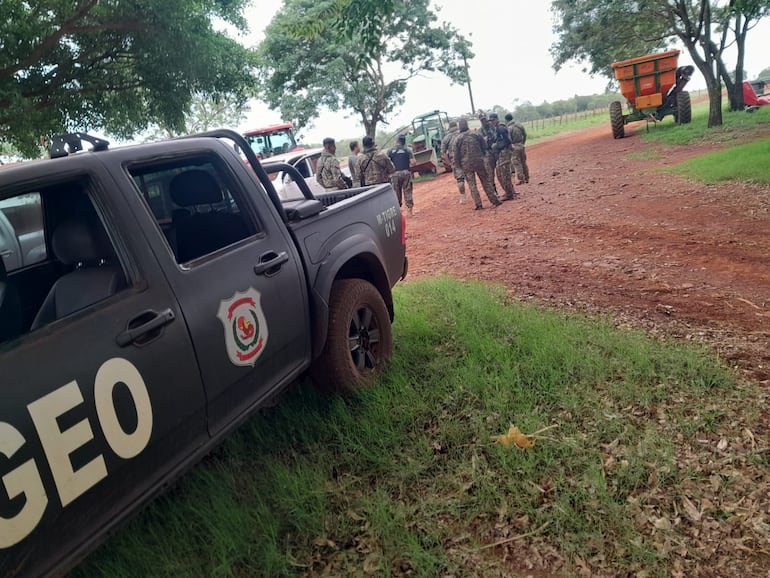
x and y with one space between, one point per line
328 173
518 135
447 149
374 167
501 149
469 150
487 131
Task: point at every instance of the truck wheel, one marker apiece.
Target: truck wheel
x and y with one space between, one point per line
359 340
616 119
683 108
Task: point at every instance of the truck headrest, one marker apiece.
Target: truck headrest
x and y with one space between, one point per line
195 187
77 242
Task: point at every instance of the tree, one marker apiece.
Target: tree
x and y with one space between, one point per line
603 31
355 56
206 112
116 65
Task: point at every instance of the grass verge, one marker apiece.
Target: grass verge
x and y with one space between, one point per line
737 126
405 479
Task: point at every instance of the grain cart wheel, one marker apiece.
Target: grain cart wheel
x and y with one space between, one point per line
616 119
359 340
683 108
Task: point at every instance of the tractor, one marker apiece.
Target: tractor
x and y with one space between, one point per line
427 131
653 87
272 140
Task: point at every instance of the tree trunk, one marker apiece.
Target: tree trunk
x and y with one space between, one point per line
370 126
707 68
741 30
715 101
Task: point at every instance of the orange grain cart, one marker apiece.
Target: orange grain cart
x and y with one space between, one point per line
653 87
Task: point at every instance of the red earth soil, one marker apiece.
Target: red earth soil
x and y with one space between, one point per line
598 230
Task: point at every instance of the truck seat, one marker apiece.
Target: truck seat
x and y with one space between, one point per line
10 307
201 233
95 275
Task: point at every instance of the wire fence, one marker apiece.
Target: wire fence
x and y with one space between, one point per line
553 121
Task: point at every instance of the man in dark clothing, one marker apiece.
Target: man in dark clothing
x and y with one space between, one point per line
403 159
501 154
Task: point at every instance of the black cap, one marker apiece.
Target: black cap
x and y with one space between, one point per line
493 115
328 141
509 116
402 138
368 142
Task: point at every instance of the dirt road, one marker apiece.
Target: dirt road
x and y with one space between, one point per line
597 230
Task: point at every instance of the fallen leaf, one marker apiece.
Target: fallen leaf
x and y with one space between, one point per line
514 436
692 512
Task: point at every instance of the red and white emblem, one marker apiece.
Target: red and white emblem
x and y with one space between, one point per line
245 327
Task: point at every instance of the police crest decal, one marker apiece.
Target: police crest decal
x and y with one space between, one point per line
245 326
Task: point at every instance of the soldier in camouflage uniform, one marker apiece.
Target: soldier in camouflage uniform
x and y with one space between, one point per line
469 150
488 133
501 149
374 166
447 155
328 173
518 135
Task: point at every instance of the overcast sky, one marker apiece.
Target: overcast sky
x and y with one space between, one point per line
511 40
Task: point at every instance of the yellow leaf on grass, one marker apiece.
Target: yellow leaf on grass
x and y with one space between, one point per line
514 436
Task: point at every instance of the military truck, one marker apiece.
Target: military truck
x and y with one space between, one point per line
176 295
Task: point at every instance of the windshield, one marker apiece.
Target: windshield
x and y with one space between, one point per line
273 143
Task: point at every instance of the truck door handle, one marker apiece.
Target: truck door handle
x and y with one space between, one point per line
145 327
270 263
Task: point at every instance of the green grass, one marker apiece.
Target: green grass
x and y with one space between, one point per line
405 480
747 162
737 126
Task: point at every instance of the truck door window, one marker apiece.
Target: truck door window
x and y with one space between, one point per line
193 205
83 267
22 239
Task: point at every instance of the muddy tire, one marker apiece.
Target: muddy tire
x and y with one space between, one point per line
683 108
359 341
616 119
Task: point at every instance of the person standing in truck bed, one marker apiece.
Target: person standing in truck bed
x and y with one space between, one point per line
403 159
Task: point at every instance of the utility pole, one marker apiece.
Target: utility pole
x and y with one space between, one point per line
468 76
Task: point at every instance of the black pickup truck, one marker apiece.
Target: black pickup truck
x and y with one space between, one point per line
172 296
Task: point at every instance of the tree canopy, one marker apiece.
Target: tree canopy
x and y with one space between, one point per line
355 56
114 65
599 32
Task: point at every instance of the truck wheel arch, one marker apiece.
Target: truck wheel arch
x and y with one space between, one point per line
355 263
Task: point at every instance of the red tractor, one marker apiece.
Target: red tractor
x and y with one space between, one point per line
272 140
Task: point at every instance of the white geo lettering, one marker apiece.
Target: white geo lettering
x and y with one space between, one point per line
24 480
114 371
59 445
